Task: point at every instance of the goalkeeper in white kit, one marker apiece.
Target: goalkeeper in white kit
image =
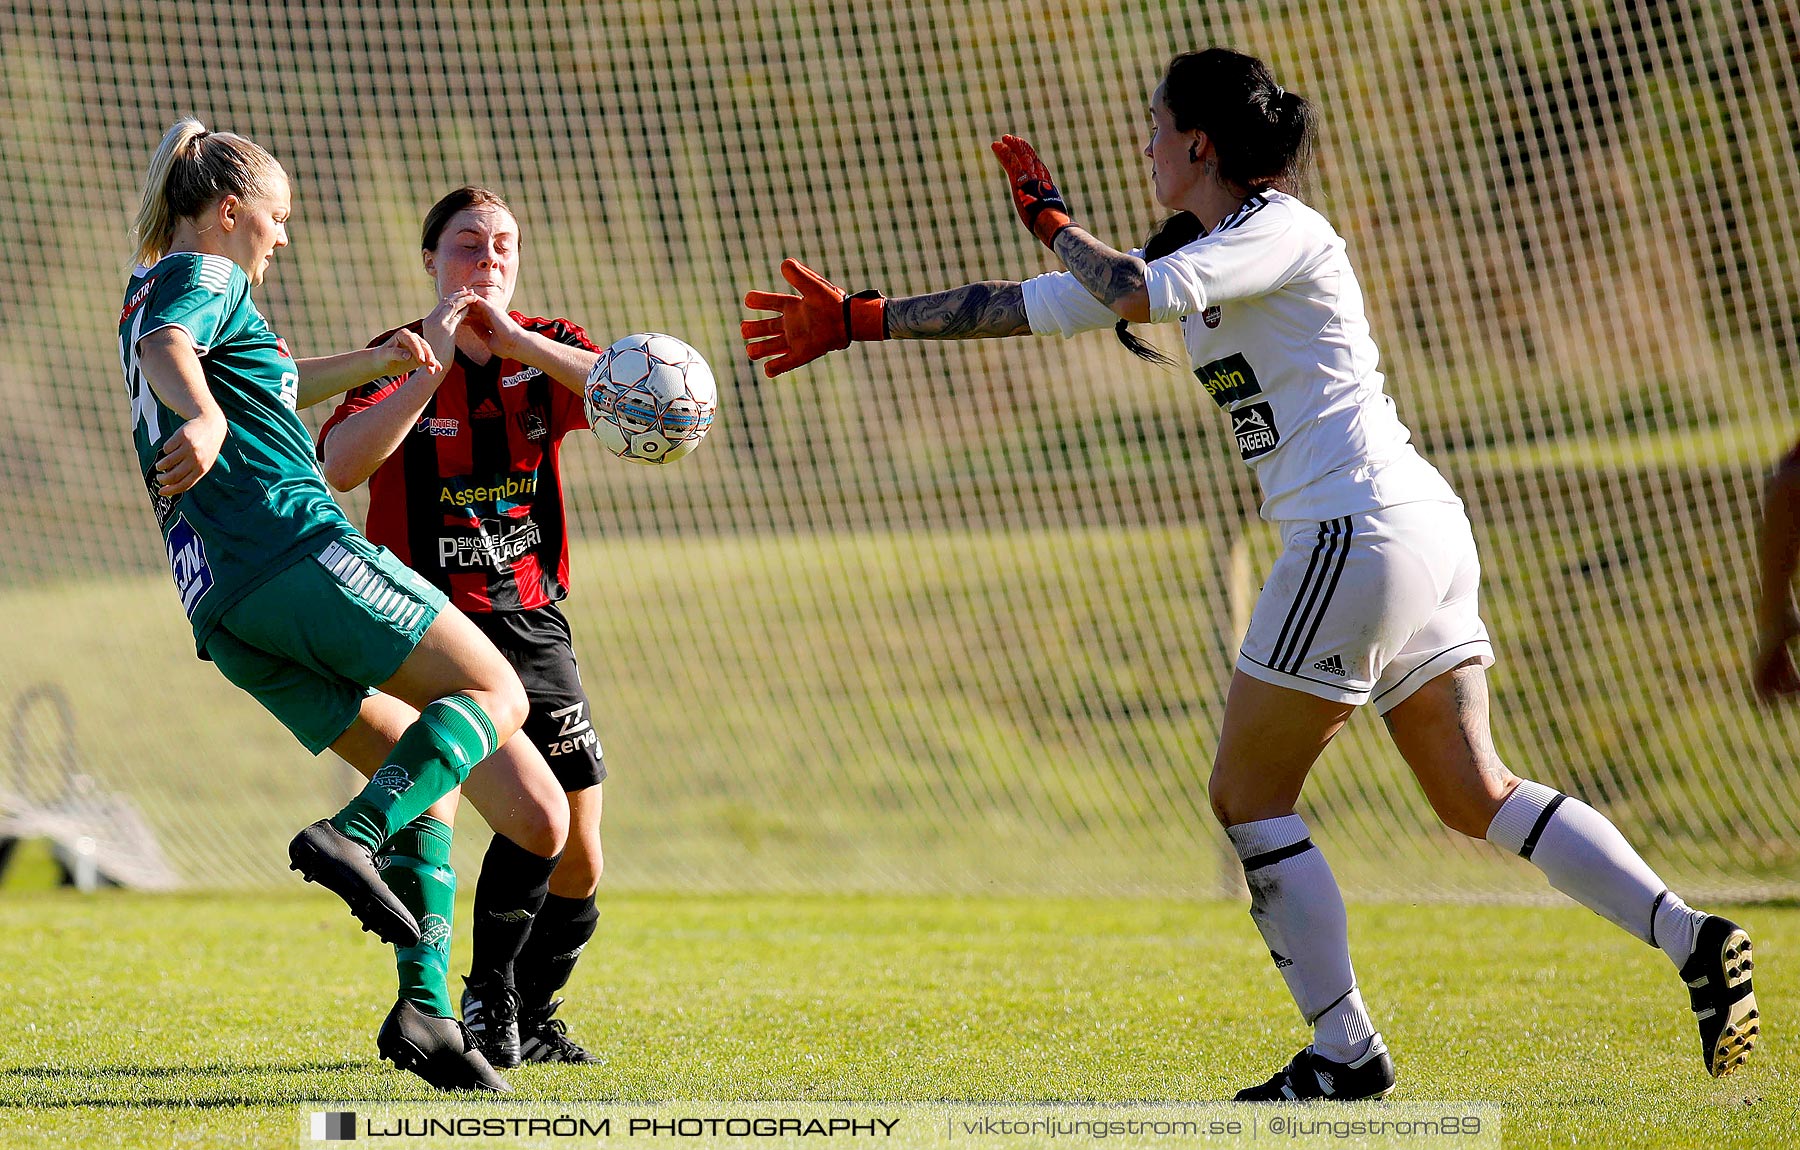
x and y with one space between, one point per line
1374 598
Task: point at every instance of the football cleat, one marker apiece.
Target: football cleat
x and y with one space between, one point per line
1718 980
439 1050
1310 1076
490 1010
543 1038
325 855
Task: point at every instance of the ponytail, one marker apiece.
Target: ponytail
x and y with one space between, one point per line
1178 231
192 170
155 225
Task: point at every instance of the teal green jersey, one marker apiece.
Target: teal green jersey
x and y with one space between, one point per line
263 505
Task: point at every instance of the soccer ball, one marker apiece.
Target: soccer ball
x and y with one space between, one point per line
651 398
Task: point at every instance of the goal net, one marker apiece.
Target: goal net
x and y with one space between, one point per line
960 617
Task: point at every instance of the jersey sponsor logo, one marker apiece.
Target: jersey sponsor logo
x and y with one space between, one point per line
1211 316
532 425
187 562
518 377
493 546
1254 427
438 427
161 504
137 299
1228 380
463 493
487 409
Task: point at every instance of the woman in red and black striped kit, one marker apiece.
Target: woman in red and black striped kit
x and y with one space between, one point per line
466 488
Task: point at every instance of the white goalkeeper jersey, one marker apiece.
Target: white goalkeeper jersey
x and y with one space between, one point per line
1273 320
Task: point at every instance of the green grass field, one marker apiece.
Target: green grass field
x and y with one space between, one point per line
991 712
190 1020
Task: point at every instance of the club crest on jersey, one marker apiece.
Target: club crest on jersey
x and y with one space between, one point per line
281 348
532 425
1228 380
438 427
1211 316
518 377
1254 427
187 562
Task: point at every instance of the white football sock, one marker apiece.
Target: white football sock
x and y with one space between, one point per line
1584 856
1295 903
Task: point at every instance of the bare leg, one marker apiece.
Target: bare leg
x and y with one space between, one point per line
1271 738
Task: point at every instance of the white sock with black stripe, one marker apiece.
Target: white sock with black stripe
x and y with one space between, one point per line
1584 856
1295 903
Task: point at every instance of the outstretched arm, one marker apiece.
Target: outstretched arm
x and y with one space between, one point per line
824 318
324 376
1113 277
973 311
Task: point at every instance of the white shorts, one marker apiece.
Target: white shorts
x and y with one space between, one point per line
1369 607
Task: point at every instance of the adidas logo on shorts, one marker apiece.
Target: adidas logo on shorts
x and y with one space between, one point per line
1331 665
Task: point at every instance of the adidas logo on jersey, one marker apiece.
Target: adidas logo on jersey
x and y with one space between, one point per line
1331 665
487 409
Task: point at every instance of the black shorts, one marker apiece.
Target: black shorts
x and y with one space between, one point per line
538 645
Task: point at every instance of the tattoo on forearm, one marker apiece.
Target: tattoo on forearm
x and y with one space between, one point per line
1109 275
974 311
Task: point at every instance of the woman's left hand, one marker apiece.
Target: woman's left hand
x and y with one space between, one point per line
495 327
1034 193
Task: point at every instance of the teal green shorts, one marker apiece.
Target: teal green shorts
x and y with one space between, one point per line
310 643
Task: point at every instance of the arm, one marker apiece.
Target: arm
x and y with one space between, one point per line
360 444
324 376
1778 550
974 311
1115 278
172 369
565 363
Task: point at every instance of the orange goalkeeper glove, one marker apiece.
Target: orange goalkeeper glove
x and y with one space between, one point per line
822 318
1034 194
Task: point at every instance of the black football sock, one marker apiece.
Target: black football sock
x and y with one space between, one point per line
508 898
563 927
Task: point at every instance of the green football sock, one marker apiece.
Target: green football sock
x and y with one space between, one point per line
416 866
433 756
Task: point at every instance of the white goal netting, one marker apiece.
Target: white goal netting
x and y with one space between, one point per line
959 617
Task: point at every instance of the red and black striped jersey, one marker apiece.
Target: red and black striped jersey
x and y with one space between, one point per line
472 499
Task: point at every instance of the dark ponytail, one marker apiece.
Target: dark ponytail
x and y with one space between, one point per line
1178 231
1262 133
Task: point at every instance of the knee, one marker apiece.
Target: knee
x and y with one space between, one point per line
1470 810
578 874
1227 799
542 829
506 707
